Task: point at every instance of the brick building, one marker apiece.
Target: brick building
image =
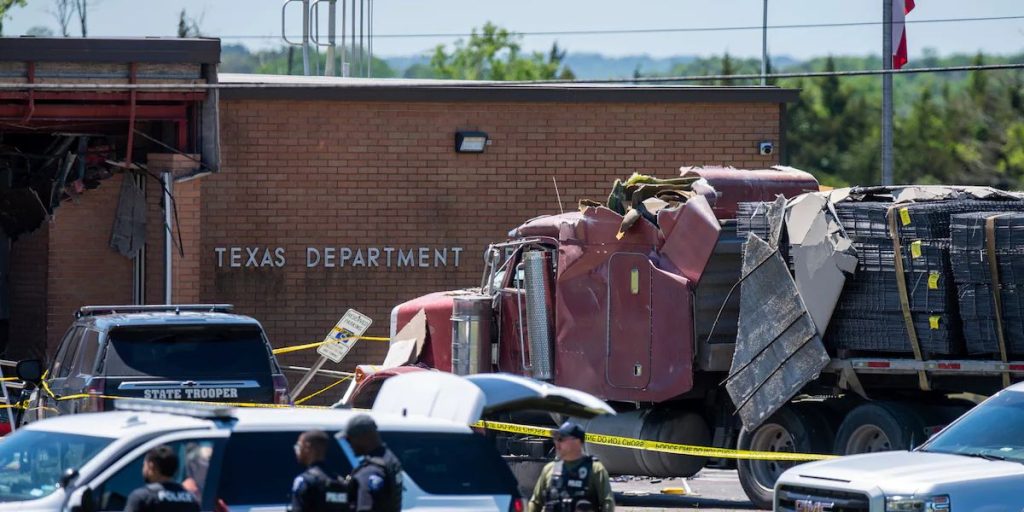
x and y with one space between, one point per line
348 193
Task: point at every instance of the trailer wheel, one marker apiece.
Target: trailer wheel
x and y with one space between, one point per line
879 427
790 429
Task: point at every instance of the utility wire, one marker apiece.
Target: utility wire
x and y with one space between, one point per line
666 30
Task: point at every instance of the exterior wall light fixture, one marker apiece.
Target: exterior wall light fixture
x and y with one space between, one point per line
470 142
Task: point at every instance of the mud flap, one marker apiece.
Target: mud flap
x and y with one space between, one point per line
778 349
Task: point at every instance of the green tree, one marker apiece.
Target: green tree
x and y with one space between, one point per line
727 69
494 53
5 7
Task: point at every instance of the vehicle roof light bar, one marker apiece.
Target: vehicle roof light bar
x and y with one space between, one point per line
154 308
204 411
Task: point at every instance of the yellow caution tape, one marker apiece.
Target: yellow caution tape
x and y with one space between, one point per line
655 446
311 395
307 346
9 379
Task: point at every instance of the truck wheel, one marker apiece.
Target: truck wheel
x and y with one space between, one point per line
790 429
879 427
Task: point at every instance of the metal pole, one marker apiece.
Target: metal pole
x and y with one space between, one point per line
887 174
168 180
304 381
305 37
764 45
354 31
370 35
362 31
329 68
344 56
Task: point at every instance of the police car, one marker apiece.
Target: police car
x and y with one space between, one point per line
179 352
243 458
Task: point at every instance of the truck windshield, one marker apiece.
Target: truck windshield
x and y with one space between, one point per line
992 430
32 461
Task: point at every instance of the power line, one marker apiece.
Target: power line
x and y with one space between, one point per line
802 74
665 30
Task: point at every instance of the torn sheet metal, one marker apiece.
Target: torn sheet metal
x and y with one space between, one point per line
822 256
778 350
690 244
407 344
129 233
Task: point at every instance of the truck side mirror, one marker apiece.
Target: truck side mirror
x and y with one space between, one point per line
30 370
69 476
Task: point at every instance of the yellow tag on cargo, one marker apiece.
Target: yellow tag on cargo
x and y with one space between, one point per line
933 322
915 249
905 216
933 281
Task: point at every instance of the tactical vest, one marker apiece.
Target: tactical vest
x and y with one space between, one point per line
339 493
566 489
389 499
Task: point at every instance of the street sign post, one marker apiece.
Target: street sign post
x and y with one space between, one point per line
338 342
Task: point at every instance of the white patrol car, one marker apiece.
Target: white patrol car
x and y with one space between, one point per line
974 464
243 458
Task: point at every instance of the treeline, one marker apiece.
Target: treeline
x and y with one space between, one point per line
962 127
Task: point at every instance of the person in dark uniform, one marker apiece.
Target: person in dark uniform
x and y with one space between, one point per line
314 490
574 482
378 477
161 493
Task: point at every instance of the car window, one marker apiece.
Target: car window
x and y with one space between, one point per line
66 357
206 351
269 459
90 347
32 461
194 458
974 435
450 463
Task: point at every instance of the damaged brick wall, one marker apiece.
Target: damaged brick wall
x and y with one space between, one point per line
298 174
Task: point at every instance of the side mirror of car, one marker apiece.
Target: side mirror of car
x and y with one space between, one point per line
81 500
69 476
30 370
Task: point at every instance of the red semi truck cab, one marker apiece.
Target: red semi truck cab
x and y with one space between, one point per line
570 300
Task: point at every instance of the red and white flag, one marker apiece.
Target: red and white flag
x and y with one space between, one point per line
900 9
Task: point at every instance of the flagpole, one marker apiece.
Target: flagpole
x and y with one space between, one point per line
887 175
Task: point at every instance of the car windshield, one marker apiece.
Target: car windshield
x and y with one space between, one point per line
187 351
32 461
994 430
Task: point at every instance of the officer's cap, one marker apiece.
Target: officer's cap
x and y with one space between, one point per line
571 429
360 424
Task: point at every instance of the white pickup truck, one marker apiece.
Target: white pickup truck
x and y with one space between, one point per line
974 464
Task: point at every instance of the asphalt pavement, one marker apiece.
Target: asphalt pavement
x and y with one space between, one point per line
710 490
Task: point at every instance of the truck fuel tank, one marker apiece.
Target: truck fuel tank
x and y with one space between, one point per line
660 425
471 334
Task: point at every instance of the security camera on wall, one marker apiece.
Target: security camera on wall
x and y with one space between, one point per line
765 148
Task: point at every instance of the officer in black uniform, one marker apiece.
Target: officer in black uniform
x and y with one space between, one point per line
161 493
575 482
314 490
378 477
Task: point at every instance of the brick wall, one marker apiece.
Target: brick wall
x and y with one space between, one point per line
28 279
83 269
360 174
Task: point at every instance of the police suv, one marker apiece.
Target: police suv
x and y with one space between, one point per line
177 352
243 459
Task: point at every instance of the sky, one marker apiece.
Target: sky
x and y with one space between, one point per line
257 24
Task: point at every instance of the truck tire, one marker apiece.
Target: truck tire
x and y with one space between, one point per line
879 427
794 428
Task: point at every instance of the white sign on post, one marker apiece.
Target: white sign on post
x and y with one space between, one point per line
344 335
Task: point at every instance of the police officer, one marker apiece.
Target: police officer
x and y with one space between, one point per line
161 493
378 477
574 482
314 490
